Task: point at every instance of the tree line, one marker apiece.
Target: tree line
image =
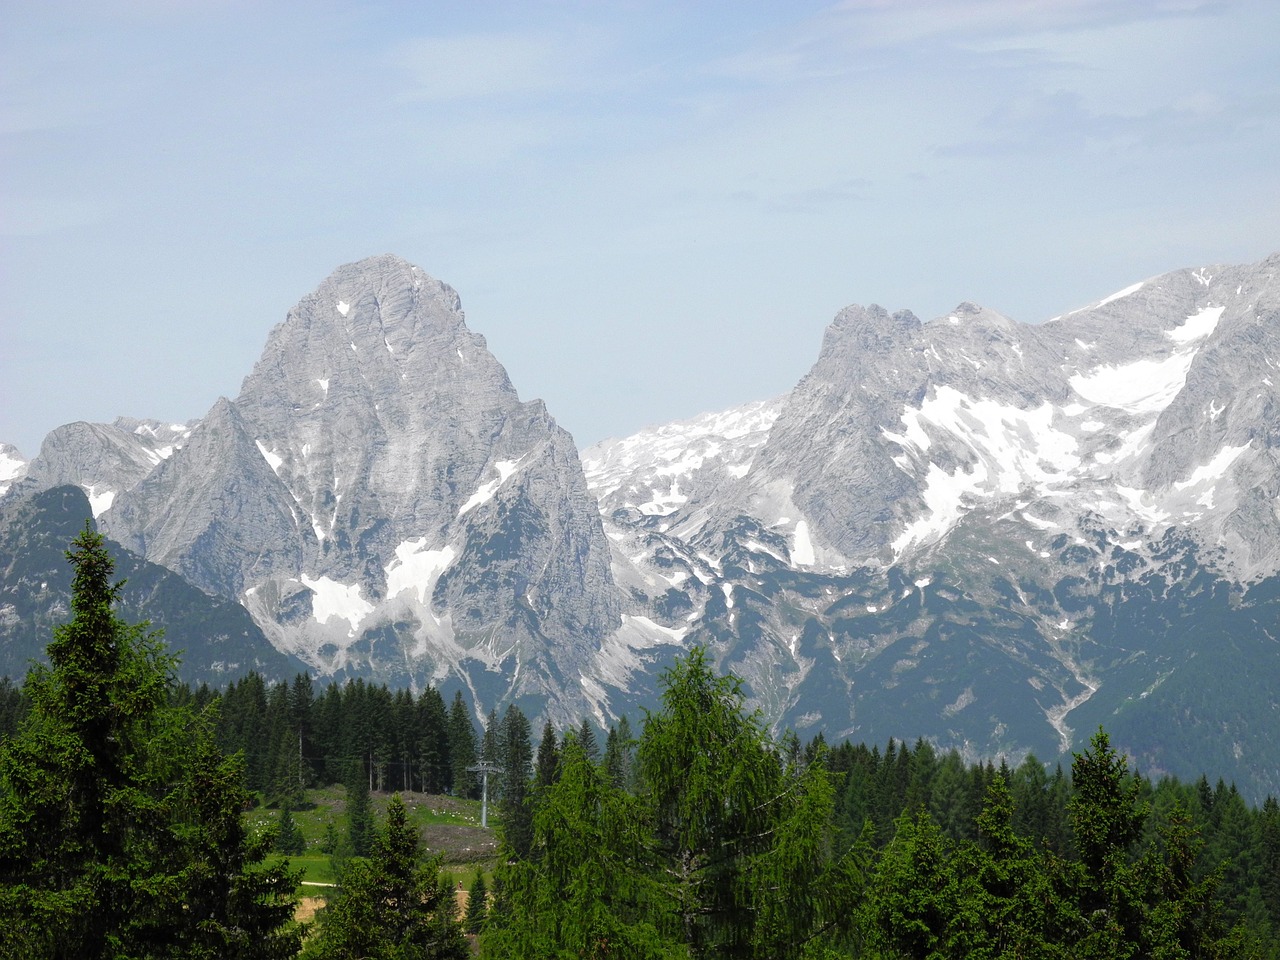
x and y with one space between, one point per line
697 834
708 838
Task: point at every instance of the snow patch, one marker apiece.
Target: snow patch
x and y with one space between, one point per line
1215 469
417 569
99 501
274 460
802 552
332 600
1197 326
1039 523
343 307
1141 387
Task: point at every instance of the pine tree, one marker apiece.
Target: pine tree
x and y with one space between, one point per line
462 749
391 905
360 823
289 837
477 905
120 820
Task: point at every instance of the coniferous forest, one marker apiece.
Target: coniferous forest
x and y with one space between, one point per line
125 828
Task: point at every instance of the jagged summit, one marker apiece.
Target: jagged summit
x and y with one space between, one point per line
381 499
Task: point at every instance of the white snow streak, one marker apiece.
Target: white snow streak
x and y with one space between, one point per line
343 307
1215 469
273 459
1134 288
802 552
1197 326
485 492
1141 387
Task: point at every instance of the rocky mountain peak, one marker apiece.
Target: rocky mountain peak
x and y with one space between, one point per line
871 329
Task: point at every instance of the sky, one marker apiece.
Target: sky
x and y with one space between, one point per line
650 210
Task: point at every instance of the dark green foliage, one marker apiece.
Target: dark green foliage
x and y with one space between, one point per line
120 820
360 823
1107 816
391 905
546 768
587 740
289 837
462 749
233 905
477 905
588 888
744 840
516 760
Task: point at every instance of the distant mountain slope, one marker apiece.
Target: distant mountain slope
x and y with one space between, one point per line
999 535
216 639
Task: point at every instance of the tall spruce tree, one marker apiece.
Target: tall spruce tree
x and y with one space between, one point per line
121 830
516 759
360 822
462 749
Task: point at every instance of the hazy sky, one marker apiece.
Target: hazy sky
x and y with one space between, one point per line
649 209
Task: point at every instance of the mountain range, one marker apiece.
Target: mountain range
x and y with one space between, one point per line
990 534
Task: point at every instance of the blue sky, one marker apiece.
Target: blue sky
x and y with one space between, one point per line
649 209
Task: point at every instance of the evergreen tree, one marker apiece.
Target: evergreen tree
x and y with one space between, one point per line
619 756
491 741
587 740
120 819
1269 861
477 905
588 889
462 749
744 843
516 760
914 898
289 837
390 905
1107 816
360 823
433 743
546 768
229 904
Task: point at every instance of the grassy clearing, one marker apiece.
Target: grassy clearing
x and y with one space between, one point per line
450 828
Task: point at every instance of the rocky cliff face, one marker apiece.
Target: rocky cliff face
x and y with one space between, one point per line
383 502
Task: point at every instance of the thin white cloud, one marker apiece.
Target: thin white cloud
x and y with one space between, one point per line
486 66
